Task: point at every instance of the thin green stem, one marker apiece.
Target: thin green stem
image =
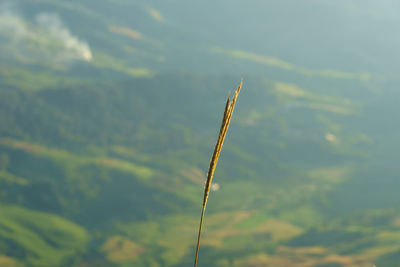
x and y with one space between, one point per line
198 237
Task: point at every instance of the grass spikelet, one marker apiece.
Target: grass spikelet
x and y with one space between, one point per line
229 106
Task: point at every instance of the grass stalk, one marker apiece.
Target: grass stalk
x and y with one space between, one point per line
226 119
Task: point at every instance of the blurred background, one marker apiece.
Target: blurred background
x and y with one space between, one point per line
109 111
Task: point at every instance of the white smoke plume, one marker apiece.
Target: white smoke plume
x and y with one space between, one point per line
46 38
73 46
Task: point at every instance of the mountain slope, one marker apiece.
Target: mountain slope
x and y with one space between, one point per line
109 112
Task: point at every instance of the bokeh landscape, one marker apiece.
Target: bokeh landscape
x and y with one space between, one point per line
109 111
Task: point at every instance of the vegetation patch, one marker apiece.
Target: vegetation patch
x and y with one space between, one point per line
45 239
119 249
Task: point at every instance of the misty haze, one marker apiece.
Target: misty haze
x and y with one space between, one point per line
110 110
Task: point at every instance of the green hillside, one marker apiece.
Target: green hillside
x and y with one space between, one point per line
109 112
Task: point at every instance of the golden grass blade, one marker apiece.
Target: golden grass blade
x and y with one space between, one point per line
226 119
